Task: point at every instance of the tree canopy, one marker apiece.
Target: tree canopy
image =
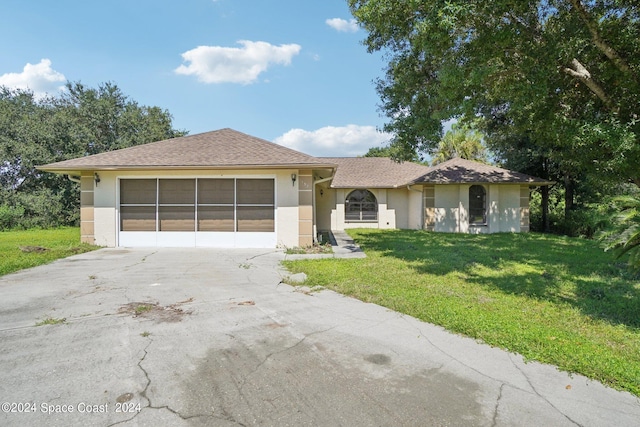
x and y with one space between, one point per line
562 75
80 121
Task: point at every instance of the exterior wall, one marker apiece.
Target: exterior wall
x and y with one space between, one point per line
305 208
448 209
463 209
386 216
87 229
524 208
105 212
429 193
325 207
398 206
509 207
415 217
105 199
389 207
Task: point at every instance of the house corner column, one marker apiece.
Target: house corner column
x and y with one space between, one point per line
305 208
87 228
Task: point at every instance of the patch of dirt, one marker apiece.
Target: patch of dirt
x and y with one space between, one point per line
311 249
246 303
31 249
153 311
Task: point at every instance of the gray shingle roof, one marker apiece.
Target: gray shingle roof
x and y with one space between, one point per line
461 171
224 148
374 172
227 148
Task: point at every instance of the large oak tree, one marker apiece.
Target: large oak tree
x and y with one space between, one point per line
562 75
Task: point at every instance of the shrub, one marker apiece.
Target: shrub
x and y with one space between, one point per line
10 217
624 237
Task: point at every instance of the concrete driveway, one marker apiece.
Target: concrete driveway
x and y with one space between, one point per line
177 337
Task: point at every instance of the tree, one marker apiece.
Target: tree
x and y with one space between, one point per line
461 142
391 152
78 122
624 237
564 74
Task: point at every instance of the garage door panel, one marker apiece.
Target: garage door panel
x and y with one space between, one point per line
216 191
255 191
176 218
255 218
215 218
138 191
177 191
138 218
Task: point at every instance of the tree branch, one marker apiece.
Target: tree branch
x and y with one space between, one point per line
579 71
600 43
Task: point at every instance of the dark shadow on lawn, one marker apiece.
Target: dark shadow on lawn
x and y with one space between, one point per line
604 288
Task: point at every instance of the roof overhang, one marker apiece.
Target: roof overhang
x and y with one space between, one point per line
76 171
531 183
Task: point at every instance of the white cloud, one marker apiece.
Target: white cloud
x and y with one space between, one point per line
332 141
342 25
217 64
39 78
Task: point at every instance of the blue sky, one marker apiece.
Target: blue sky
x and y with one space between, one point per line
293 72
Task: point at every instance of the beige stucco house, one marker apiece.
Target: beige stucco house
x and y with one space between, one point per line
228 189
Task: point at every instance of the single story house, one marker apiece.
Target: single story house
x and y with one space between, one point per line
228 189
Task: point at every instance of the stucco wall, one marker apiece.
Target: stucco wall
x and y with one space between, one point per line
447 208
106 195
398 206
451 207
325 207
389 207
509 204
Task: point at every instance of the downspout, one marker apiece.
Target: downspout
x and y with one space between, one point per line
74 178
313 201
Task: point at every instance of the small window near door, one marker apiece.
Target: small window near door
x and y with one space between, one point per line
477 205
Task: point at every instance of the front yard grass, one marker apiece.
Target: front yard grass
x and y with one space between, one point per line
553 299
38 247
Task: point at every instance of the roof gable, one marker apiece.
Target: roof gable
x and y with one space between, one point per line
461 171
224 148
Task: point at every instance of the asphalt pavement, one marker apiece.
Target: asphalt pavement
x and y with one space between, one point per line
206 337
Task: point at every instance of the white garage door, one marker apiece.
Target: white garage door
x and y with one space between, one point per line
208 212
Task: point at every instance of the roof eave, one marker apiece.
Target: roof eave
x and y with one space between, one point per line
76 170
532 183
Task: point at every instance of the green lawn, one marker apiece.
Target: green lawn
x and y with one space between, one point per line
553 299
59 242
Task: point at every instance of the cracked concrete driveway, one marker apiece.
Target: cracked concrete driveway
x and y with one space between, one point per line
212 337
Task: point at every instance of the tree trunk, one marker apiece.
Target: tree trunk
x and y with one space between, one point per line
568 196
545 208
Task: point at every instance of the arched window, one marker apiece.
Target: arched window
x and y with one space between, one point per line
361 205
477 205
